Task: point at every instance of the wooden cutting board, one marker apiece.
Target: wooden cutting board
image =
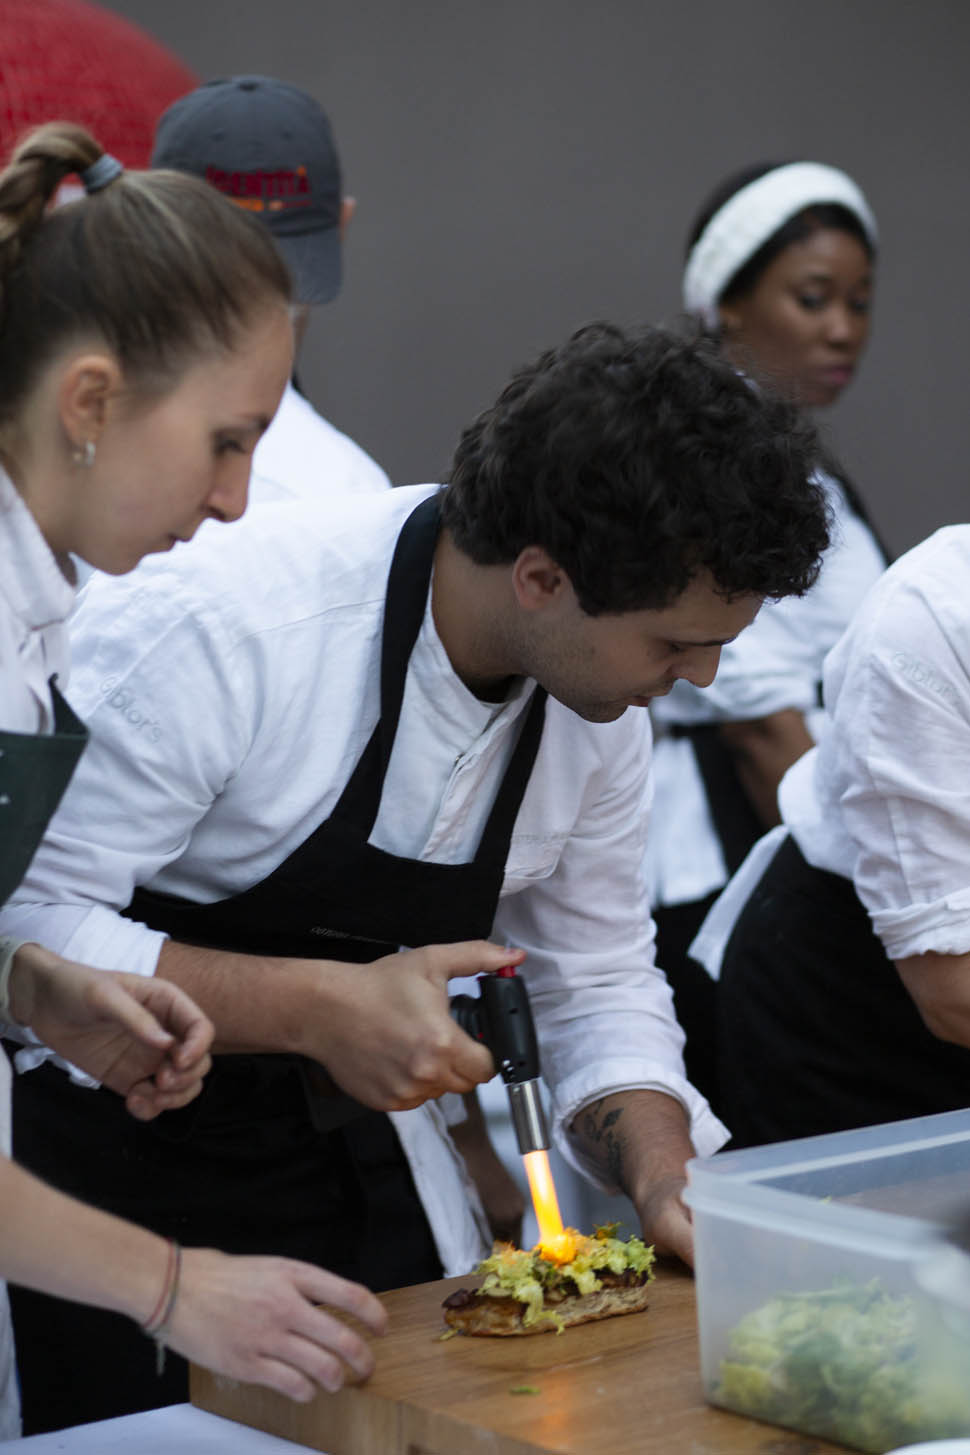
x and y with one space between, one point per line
624 1386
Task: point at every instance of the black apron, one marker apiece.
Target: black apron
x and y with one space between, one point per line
817 1031
249 1166
35 769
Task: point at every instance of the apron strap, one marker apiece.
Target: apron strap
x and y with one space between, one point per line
404 607
66 720
407 594
735 822
35 769
494 846
859 509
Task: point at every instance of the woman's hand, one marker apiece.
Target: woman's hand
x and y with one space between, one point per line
256 1319
140 1036
252 1318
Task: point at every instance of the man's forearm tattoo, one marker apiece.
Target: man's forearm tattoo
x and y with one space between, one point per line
601 1132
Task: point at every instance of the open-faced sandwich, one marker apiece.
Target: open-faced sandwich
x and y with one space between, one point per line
537 1292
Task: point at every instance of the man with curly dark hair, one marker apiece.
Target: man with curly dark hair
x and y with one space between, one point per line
639 460
403 720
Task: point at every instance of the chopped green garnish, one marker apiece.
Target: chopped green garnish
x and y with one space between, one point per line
528 1276
524 1389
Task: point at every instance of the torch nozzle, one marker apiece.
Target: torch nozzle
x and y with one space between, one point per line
528 1116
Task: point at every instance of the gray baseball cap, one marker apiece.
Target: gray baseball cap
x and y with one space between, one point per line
269 147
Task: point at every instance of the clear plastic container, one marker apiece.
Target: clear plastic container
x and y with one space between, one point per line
808 1259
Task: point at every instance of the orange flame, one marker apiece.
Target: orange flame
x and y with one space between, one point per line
555 1242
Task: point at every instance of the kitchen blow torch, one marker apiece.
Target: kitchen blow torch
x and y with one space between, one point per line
501 1019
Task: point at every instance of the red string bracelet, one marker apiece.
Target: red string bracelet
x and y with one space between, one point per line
156 1325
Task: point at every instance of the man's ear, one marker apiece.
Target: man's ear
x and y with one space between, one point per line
537 580
347 209
87 385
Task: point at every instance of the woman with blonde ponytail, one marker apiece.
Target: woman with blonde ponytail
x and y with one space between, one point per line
144 346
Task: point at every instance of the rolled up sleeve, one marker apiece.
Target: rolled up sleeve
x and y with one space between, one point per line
906 800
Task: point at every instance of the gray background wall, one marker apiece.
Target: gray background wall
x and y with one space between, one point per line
523 168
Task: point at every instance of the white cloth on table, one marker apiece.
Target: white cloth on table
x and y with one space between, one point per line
230 688
175 1429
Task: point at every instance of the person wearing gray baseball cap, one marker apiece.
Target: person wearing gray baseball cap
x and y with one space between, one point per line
269 147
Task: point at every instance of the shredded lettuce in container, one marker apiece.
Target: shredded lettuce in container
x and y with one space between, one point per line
840 1363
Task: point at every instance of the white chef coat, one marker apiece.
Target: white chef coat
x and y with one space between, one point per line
775 664
884 800
303 455
35 600
230 688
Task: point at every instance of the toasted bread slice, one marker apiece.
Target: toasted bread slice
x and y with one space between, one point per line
478 1313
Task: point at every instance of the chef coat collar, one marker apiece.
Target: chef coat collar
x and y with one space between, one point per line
35 587
435 674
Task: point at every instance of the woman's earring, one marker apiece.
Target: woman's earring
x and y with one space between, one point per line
84 455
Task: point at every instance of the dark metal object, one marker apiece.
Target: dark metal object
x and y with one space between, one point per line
501 1019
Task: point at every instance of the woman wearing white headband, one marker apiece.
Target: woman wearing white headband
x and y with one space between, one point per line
780 268
144 345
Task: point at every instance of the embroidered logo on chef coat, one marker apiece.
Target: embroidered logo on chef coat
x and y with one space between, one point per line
123 700
921 674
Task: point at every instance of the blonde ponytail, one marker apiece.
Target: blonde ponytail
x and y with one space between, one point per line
158 264
31 178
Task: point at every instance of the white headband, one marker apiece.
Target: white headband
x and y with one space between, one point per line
749 218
